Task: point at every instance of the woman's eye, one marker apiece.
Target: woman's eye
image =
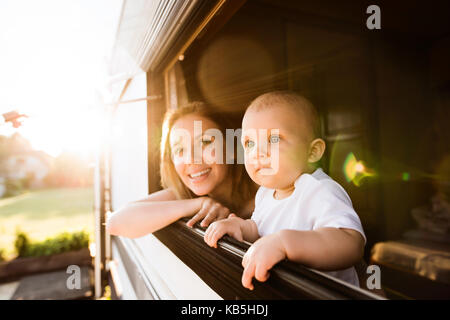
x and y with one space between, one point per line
274 139
249 144
178 152
207 140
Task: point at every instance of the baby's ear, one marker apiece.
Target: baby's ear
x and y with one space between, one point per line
316 150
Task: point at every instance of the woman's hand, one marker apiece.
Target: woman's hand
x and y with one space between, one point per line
230 226
210 210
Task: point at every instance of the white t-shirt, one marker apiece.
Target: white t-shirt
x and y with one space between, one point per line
317 202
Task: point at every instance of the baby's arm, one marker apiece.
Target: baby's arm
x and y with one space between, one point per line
238 228
323 249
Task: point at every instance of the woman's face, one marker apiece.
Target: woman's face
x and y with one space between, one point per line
197 154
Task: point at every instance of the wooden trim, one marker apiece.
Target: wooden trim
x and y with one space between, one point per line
201 20
100 276
194 34
147 98
21 267
155 114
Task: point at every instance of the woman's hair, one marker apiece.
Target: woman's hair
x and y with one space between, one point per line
242 189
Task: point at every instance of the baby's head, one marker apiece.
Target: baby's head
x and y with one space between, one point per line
281 139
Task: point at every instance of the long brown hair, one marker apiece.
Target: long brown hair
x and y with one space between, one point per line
243 188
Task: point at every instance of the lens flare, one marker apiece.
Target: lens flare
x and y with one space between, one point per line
359 167
355 171
406 176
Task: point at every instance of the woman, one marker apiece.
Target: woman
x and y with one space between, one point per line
203 190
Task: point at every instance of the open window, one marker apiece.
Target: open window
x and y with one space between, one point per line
384 100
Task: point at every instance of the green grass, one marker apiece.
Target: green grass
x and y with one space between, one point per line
45 213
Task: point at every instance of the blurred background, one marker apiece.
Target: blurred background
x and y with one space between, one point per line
52 63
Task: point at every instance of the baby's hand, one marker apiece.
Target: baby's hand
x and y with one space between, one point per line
260 258
216 230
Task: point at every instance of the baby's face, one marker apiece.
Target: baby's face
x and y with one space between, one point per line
276 144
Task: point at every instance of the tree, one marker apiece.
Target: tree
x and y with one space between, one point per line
70 170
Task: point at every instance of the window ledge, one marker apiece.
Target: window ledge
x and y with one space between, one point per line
221 269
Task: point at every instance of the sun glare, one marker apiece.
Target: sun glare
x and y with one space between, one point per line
76 132
56 82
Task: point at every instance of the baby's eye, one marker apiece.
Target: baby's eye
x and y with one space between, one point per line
274 138
249 144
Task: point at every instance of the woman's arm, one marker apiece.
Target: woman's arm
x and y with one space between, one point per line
155 212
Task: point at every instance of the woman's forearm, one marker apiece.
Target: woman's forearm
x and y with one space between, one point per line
139 218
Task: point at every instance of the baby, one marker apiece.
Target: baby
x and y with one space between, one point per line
300 214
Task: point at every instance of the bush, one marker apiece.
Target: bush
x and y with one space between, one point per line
2 255
14 187
61 243
21 244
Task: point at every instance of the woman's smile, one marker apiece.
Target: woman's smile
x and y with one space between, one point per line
199 176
